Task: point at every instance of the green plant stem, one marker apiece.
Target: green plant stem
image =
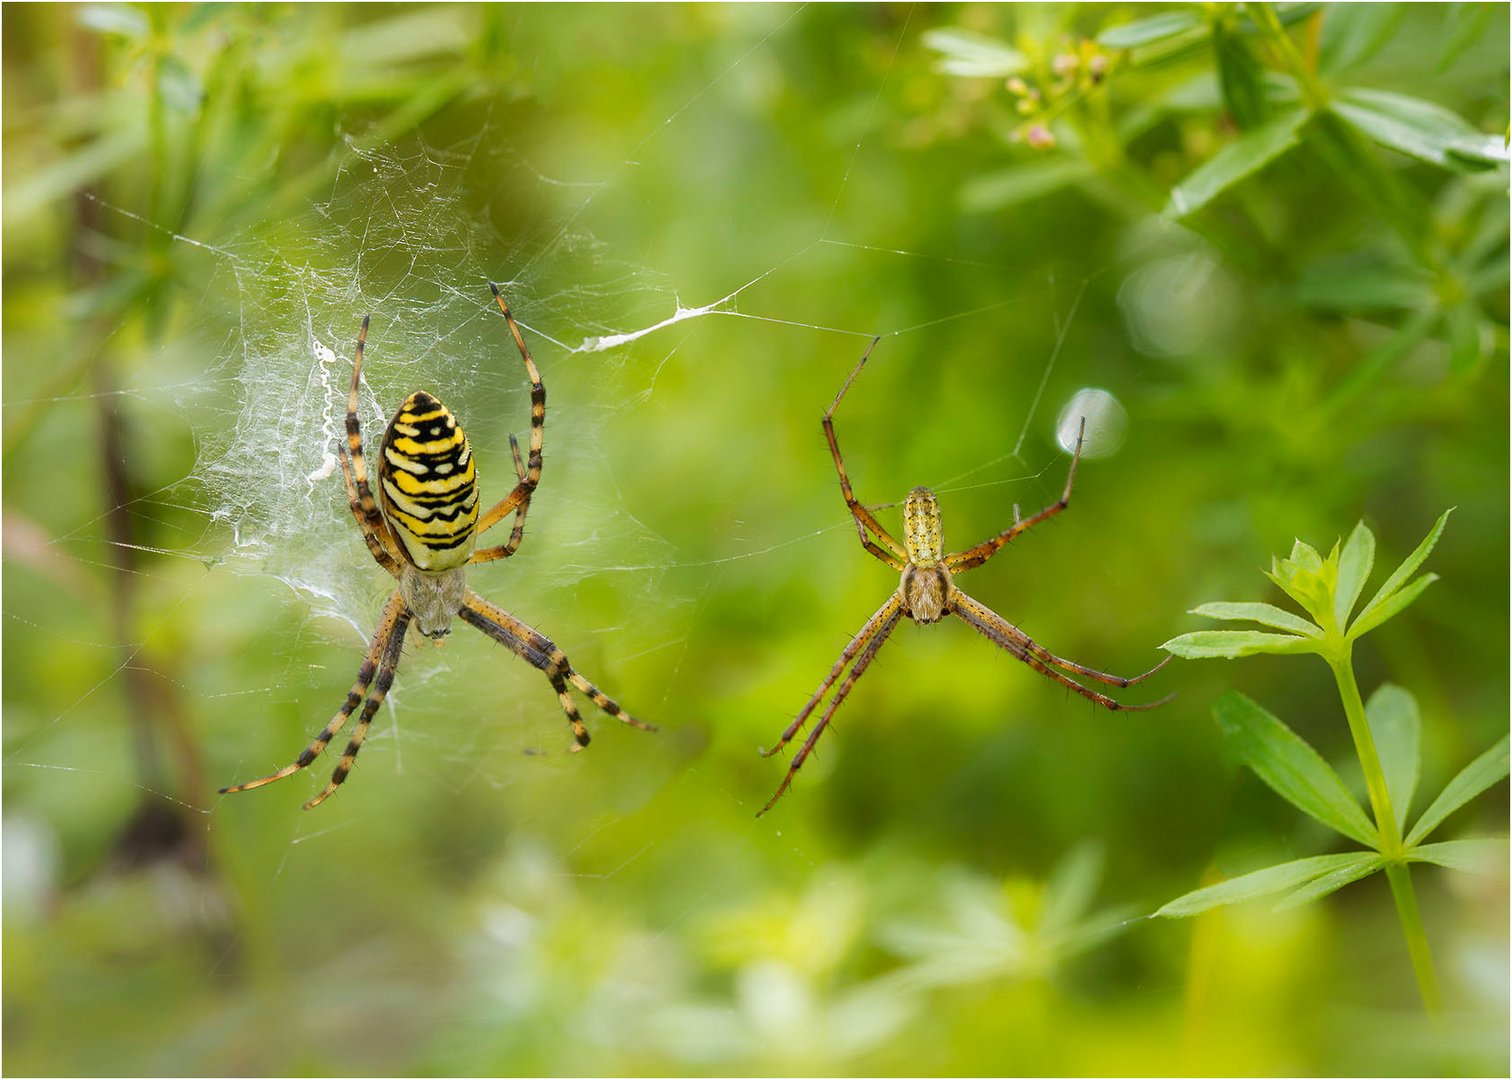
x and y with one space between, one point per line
1417 940
1391 835
1370 760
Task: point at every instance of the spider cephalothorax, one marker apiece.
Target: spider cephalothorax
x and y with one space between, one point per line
927 593
422 528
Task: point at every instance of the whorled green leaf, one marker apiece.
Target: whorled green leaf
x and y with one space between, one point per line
1379 361
1240 77
1231 644
1466 342
1399 578
1070 889
1244 156
1479 151
1360 283
1392 607
1364 864
1397 730
1290 767
1147 31
1415 127
1022 183
1355 562
1308 578
1265 614
973 55
122 19
1467 22
1251 886
1473 779
1353 33
1480 855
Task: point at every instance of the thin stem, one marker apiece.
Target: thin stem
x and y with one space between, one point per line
1391 834
1417 940
1370 760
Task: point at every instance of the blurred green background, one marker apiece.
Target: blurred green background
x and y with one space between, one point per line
197 195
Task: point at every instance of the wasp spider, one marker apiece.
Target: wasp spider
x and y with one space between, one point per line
927 593
422 528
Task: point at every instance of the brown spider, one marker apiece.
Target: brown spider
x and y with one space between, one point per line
926 594
422 527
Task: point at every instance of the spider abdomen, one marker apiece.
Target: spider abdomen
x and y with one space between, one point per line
922 534
926 592
428 483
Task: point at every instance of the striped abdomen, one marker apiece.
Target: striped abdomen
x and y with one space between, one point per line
429 484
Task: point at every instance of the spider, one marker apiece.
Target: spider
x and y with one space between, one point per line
422 529
926 594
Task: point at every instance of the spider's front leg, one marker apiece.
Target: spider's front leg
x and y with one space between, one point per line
974 557
364 506
530 475
894 555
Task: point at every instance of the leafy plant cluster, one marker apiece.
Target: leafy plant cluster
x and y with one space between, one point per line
1386 732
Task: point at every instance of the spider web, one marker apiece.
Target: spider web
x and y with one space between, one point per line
411 235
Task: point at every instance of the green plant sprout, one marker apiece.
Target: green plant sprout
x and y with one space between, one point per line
1385 732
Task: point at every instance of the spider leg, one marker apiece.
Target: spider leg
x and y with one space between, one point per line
375 530
1011 639
538 650
894 555
863 661
516 534
388 667
525 487
974 557
365 673
860 641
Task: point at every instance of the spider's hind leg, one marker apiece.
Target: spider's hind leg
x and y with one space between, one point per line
387 630
541 653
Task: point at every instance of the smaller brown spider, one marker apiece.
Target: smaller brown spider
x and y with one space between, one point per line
927 593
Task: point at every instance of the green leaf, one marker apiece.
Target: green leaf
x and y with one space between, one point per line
1069 891
1380 360
1267 882
1231 644
1399 577
121 19
1365 863
1481 855
1397 730
1290 767
1354 567
179 85
1358 283
1245 155
1392 607
1465 348
1467 22
1353 33
973 55
1145 31
1021 183
1414 127
1240 76
1473 779
1265 614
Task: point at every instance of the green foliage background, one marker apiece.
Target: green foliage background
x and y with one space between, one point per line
955 882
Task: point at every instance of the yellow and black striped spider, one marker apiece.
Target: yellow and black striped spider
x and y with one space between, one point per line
927 593
422 529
